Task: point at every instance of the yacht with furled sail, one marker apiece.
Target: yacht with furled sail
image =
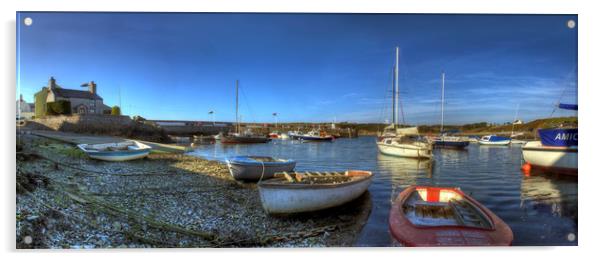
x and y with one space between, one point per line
402 142
557 149
444 140
244 137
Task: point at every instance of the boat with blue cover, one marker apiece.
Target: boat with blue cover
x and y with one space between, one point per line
556 151
450 142
494 140
254 168
120 151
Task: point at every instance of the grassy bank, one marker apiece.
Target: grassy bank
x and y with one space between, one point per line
481 128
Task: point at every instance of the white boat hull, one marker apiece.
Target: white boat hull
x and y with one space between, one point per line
495 143
550 157
404 150
119 158
135 150
520 142
278 200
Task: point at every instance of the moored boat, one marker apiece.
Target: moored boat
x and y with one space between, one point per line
518 142
473 138
450 142
237 137
557 151
243 138
494 140
402 142
121 151
407 147
315 136
434 216
296 192
445 141
254 168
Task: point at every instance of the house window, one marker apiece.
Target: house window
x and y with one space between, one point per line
82 109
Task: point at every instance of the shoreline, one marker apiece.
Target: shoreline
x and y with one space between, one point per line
65 200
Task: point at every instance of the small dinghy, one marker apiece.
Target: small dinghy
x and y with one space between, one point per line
120 151
298 192
433 216
254 168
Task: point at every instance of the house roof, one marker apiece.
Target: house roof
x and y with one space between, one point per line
67 93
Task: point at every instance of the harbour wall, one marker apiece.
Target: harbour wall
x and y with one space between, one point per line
112 125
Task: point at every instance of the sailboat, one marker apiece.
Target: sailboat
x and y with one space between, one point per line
445 141
514 135
557 150
402 142
245 137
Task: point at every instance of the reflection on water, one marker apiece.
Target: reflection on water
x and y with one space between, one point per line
541 209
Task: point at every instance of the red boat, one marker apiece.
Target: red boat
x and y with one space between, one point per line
434 216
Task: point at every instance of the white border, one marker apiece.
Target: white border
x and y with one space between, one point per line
589 98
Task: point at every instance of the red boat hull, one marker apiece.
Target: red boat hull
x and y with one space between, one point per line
408 234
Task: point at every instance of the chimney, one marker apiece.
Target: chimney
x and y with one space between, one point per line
51 83
92 87
20 97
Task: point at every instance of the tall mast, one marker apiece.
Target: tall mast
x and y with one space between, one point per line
396 86
515 118
393 95
442 98
237 123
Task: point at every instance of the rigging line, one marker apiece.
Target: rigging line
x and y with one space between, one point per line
566 85
244 96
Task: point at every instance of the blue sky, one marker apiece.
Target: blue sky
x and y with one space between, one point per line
306 67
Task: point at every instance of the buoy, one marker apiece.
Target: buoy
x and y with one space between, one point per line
526 168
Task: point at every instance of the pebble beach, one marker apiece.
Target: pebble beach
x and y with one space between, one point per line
66 200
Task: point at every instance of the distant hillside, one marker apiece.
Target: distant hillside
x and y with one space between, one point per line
480 128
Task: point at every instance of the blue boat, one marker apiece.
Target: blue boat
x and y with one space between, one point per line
254 168
450 142
494 140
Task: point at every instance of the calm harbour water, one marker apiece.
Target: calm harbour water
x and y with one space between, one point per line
540 208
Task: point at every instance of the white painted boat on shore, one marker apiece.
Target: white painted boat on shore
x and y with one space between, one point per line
254 168
121 151
297 192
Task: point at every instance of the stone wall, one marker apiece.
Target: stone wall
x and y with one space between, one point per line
111 125
88 123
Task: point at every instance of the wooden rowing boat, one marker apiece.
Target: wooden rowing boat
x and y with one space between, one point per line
310 191
434 216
